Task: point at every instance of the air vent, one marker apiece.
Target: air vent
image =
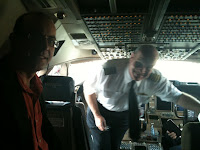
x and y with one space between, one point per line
80 39
78 36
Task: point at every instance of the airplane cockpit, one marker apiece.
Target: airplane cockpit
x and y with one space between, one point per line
91 32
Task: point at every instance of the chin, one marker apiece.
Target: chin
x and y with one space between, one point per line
138 79
41 67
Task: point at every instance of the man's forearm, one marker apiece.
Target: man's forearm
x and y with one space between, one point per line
189 102
92 103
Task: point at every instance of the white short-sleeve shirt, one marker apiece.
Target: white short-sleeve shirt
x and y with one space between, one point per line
111 84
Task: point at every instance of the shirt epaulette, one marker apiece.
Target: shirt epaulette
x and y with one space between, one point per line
154 77
110 70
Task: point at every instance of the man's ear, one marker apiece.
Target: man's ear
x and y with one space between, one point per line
131 58
132 55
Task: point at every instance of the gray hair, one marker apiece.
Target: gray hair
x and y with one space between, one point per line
147 51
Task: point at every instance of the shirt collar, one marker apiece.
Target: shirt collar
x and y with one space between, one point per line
138 83
37 85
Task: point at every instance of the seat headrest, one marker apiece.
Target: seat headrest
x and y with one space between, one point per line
58 88
190 136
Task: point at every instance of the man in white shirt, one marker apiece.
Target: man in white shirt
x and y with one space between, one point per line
107 92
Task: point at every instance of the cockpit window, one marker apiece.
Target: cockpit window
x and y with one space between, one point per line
80 71
182 71
56 71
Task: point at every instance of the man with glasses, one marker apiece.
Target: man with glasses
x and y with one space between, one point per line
24 122
110 104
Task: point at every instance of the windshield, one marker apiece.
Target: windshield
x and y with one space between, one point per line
173 70
179 70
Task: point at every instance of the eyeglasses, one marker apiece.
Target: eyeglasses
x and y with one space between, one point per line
40 38
52 42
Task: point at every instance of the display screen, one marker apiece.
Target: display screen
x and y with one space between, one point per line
153 117
162 105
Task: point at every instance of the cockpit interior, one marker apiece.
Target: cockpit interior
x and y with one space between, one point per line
92 30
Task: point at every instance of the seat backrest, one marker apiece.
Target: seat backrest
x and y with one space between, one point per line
66 118
58 88
61 119
190 136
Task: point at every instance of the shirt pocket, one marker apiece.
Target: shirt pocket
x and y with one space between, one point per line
143 99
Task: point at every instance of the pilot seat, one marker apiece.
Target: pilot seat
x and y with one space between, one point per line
67 119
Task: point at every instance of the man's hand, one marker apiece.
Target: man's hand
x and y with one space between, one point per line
100 122
172 135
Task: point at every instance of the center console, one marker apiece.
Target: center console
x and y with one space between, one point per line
156 113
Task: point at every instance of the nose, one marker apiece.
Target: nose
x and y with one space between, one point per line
47 46
50 46
49 49
144 70
46 53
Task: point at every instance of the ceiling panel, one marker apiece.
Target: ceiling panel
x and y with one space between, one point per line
172 26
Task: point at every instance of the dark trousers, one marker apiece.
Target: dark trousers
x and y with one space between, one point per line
110 139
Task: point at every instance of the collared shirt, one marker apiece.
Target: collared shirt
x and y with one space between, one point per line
31 97
112 82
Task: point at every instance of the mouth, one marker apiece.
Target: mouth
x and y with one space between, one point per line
43 57
138 75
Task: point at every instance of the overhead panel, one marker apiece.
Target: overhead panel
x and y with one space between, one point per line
180 28
180 32
172 26
115 30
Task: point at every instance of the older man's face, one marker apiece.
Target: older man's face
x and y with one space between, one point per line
47 53
140 67
41 45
